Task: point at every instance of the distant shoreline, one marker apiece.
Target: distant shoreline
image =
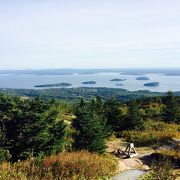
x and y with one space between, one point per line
71 71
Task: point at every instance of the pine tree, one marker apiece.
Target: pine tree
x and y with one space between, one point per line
170 114
91 130
134 119
114 115
99 106
34 128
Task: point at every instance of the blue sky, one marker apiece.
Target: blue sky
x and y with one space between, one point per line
37 34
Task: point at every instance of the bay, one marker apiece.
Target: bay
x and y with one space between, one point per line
28 81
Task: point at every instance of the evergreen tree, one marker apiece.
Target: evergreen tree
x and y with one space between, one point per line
91 130
134 120
170 114
114 115
99 106
32 127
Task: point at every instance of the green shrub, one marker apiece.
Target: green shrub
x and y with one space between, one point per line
4 155
173 155
161 169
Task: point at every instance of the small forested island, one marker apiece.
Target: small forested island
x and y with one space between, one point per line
89 82
120 84
142 78
118 80
54 85
152 84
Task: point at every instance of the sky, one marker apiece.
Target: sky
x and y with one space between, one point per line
41 34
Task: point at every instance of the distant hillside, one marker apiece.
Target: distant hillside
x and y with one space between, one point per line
87 93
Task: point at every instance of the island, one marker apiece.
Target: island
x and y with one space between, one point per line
89 82
152 84
142 78
120 84
53 85
118 80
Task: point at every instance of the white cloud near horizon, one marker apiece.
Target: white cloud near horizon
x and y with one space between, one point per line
89 34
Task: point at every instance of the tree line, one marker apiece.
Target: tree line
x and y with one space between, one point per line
34 127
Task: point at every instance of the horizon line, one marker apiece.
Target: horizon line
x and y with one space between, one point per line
85 68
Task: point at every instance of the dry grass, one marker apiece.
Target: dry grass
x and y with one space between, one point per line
154 133
149 138
75 165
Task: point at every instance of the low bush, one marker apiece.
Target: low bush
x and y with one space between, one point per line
160 170
149 138
4 155
154 133
160 126
173 155
74 165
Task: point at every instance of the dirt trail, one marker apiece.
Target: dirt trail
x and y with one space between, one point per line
141 161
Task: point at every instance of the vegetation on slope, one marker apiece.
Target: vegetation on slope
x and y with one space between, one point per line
73 165
153 134
74 94
33 127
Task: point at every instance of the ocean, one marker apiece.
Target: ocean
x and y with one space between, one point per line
167 82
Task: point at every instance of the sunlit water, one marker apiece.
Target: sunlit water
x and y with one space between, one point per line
102 80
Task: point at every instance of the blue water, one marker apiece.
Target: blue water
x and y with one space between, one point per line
28 81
